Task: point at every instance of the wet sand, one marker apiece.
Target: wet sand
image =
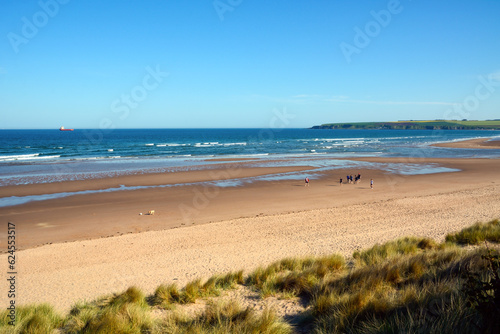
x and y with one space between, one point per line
480 143
96 248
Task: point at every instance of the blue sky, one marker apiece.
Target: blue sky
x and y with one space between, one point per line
241 63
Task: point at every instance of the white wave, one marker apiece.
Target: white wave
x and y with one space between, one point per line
331 139
175 144
39 158
19 156
150 145
110 150
161 145
234 144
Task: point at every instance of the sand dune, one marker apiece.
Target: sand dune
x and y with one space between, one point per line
278 219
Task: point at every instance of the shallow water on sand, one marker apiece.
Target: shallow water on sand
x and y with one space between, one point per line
44 156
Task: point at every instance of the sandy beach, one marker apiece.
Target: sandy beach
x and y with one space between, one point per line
187 167
480 143
84 246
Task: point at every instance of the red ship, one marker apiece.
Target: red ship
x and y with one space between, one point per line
63 129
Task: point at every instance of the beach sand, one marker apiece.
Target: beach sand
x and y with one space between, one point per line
92 246
480 143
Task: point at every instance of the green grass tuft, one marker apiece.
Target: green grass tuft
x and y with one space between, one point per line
126 312
31 319
166 296
192 291
420 288
477 233
227 317
294 276
131 296
402 246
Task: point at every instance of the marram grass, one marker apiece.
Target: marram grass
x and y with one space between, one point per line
226 317
410 285
31 319
398 247
477 233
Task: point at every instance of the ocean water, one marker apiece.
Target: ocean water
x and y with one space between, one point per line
41 156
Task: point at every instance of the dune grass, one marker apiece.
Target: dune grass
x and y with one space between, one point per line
477 233
167 296
126 312
415 285
294 276
31 319
403 246
410 285
226 317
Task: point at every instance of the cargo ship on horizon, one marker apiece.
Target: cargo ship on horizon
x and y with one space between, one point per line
63 129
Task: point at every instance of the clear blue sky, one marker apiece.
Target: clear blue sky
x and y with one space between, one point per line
236 63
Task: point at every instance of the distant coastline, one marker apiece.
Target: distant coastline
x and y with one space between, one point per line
417 125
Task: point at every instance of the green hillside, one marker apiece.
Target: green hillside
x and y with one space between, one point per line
417 125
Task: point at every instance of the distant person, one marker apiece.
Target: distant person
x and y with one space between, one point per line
307 182
371 183
348 180
340 181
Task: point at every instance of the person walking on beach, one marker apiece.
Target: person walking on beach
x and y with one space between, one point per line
341 182
371 183
307 182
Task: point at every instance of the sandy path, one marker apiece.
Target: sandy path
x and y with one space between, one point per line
61 274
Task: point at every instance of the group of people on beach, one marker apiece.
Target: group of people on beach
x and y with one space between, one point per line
356 178
349 178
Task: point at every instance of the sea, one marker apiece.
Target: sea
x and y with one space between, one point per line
45 156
